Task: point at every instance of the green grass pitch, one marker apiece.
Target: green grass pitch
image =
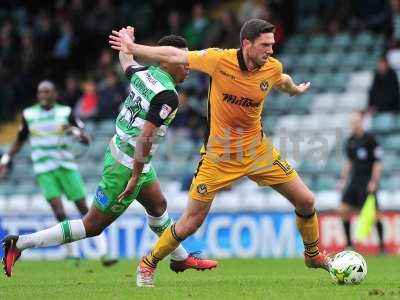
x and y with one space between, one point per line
233 279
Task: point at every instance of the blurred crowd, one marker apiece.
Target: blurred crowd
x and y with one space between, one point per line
66 41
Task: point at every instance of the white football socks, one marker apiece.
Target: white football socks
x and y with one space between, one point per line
158 225
64 232
101 244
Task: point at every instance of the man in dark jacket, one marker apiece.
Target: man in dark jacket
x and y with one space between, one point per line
384 94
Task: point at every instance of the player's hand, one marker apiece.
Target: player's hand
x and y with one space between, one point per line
122 40
77 132
301 88
372 186
131 31
130 187
84 138
81 135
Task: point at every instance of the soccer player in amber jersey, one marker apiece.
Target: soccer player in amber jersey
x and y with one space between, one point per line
236 145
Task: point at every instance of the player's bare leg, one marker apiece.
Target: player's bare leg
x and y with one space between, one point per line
191 220
93 223
306 219
101 240
59 213
155 204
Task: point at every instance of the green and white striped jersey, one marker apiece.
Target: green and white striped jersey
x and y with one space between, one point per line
45 129
149 87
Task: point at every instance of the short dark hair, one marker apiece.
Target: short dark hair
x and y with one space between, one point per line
173 40
252 29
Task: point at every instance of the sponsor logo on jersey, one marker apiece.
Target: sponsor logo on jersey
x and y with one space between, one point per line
150 78
141 87
242 101
264 85
165 111
118 208
102 198
227 75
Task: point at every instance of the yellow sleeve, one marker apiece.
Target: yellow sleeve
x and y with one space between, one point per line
279 72
205 60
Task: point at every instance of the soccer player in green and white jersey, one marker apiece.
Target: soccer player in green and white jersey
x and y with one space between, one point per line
140 127
54 166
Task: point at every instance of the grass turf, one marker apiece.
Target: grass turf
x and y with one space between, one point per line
233 279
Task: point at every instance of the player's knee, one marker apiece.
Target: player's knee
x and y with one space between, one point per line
92 229
159 209
306 203
94 232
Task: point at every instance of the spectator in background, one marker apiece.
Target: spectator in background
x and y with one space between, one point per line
72 91
174 23
395 42
374 15
187 120
271 14
28 68
101 20
63 44
86 107
104 64
384 94
45 36
110 92
260 9
28 54
196 30
251 9
62 50
223 33
8 48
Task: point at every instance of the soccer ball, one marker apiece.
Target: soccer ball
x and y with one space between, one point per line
348 267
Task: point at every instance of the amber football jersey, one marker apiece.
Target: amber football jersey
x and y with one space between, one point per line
236 98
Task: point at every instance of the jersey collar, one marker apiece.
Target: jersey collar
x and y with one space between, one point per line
167 74
44 109
242 64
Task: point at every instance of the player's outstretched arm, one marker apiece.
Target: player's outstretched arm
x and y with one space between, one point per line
288 86
122 41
